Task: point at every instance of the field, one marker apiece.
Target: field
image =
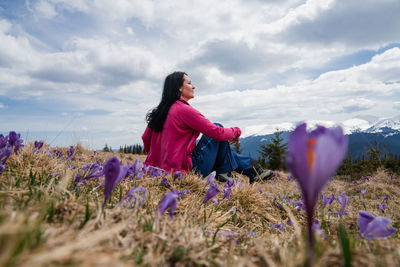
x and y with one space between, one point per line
47 219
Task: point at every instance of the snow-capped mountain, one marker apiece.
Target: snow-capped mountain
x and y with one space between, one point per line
369 124
362 131
385 126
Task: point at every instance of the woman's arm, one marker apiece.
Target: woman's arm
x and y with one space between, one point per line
195 120
146 137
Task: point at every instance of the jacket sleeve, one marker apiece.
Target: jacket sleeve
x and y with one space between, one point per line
146 137
195 120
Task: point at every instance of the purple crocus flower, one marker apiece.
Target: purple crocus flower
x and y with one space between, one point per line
164 182
210 179
382 207
15 141
316 228
363 191
313 159
299 205
111 172
184 192
355 182
227 193
70 153
391 177
89 171
327 200
212 191
5 153
374 227
3 141
137 169
155 172
131 198
168 201
57 153
385 199
343 200
229 184
178 176
280 226
38 144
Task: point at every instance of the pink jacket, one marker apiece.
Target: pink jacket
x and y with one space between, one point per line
171 149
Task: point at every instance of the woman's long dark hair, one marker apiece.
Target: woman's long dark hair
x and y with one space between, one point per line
157 116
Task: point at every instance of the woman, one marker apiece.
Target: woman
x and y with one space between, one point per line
172 130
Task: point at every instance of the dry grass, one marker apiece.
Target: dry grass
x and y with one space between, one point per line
46 220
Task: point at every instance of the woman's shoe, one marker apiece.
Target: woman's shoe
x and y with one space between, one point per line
263 175
224 177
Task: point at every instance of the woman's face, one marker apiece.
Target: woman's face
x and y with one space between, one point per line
187 89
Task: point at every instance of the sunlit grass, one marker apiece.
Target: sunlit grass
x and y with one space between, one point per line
46 219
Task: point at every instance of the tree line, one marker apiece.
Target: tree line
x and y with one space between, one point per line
133 149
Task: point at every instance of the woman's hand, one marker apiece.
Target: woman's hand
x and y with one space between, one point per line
234 140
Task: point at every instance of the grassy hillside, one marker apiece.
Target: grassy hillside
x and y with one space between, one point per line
47 219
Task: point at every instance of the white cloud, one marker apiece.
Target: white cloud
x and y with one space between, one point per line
45 9
396 105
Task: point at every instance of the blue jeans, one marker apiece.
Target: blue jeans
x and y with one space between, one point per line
211 155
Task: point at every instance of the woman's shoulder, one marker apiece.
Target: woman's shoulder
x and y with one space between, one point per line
183 109
182 105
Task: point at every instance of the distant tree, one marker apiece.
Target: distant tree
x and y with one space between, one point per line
275 152
374 155
262 162
106 148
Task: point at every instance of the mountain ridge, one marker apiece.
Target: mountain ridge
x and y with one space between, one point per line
386 132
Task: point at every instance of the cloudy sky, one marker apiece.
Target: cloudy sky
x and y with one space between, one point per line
89 70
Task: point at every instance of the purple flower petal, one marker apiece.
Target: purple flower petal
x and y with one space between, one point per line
279 226
155 172
210 179
343 200
164 182
169 201
363 191
229 183
212 191
131 198
5 153
227 193
38 144
3 141
178 176
382 207
111 172
15 141
374 228
364 218
70 153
